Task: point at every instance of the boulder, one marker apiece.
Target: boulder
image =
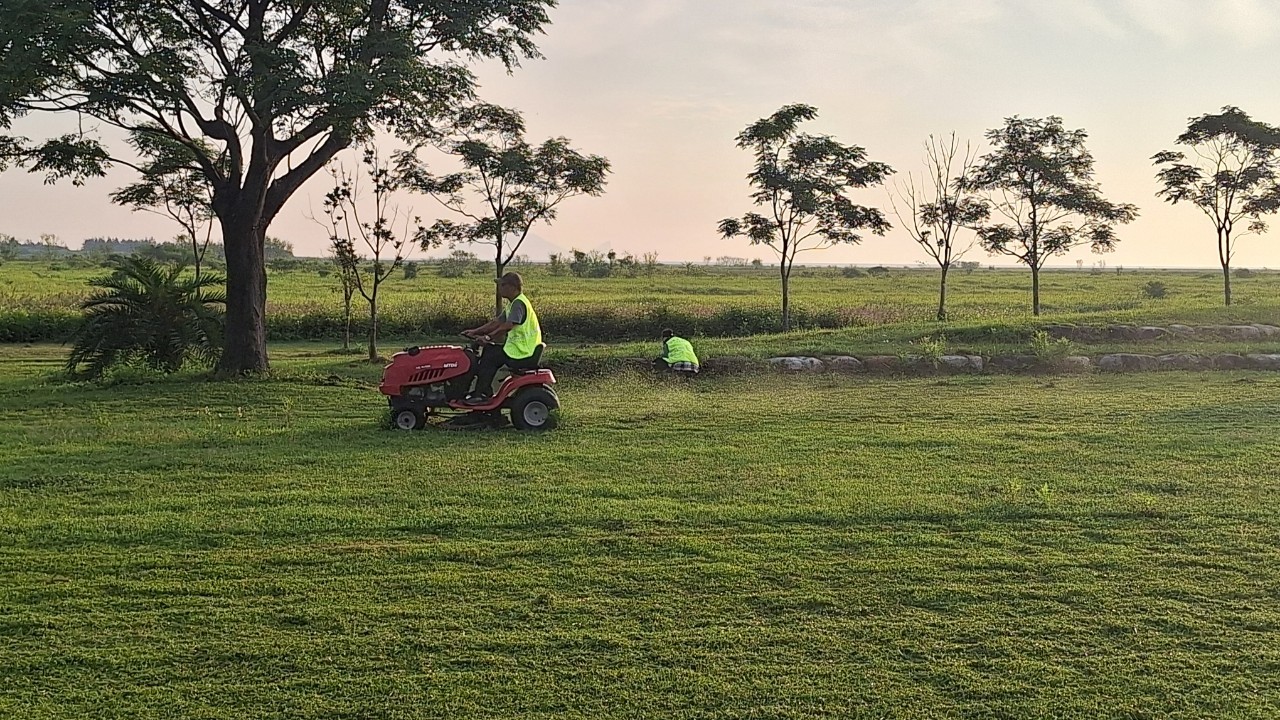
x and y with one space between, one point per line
1127 362
1122 332
1232 332
1150 333
1184 361
961 363
1230 362
1013 363
796 364
881 363
1076 363
1184 330
728 364
1243 332
845 364
1265 362
1268 330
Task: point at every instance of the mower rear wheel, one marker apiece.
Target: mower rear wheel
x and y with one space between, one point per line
534 409
409 419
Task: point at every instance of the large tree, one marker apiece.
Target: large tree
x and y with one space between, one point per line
263 93
505 186
1232 177
936 207
1038 179
802 181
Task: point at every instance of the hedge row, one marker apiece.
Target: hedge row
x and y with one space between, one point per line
577 322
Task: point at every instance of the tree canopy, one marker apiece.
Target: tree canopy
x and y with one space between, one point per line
1039 182
1232 175
802 181
261 93
506 185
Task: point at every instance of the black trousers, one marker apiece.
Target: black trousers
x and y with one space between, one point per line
493 359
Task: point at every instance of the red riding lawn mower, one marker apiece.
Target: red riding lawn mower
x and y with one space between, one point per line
422 382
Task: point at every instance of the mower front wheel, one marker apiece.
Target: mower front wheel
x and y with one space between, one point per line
534 409
409 419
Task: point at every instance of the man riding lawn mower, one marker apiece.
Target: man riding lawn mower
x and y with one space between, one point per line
421 382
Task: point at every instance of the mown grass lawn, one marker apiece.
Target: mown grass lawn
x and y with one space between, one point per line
760 547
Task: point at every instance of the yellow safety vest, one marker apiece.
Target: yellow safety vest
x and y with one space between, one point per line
524 338
680 350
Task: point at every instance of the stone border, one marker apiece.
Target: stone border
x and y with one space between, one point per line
1138 333
976 364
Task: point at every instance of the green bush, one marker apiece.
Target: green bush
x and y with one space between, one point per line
1155 290
150 313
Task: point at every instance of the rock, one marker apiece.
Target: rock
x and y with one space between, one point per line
1233 332
1122 332
1268 330
1184 361
919 364
728 364
797 364
1265 362
1243 332
881 363
1076 363
961 363
1061 331
1150 333
1127 362
845 364
1013 363
1230 362
1182 330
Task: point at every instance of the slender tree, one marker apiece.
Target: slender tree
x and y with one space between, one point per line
170 186
264 93
505 187
1038 179
347 273
355 235
1232 177
936 207
802 181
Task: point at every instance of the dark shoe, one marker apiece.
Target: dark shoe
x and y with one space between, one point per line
476 400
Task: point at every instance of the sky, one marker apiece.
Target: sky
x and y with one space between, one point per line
662 87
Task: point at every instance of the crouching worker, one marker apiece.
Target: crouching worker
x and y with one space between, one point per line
677 355
523 336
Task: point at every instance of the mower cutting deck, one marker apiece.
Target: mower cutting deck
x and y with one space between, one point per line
422 382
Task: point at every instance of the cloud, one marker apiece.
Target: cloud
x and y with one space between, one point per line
1250 23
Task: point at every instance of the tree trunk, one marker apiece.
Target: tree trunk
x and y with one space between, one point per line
942 295
244 347
1035 290
373 327
786 298
498 268
346 318
1226 282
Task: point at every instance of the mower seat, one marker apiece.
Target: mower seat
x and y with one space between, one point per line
528 365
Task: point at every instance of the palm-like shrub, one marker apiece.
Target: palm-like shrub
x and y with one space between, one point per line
150 313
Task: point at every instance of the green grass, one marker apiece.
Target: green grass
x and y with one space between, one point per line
304 298
755 547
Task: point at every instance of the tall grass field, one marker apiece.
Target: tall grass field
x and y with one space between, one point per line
38 299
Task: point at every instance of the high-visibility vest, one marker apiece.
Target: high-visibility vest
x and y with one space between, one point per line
524 338
680 350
